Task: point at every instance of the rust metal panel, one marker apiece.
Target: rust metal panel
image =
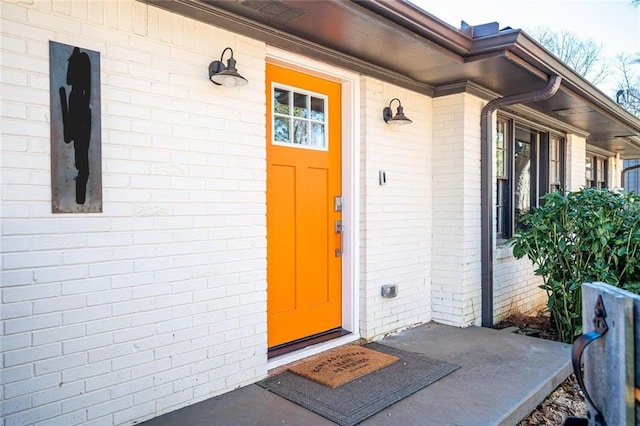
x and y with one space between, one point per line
610 361
76 151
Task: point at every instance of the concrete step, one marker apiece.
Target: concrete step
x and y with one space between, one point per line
502 378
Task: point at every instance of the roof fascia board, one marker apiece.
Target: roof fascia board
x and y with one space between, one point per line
522 111
592 149
420 22
580 86
466 86
513 44
634 140
210 14
500 42
537 59
528 53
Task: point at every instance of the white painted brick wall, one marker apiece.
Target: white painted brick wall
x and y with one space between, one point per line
456 228
456 242
616 164
516 287
395 218
575 167
160 300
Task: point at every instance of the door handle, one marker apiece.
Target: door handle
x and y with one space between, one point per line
339 230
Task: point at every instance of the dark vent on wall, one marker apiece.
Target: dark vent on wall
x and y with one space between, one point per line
275 9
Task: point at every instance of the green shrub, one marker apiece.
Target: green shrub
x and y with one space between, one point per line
579 237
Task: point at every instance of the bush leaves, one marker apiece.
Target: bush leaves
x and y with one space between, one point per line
577 237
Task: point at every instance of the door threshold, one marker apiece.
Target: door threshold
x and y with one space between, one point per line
287 358
296 345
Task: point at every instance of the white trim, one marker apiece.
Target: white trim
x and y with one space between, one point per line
596 150
310 351
350 193
326 123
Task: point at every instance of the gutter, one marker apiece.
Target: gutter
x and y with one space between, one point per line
421 22
486 191
214 13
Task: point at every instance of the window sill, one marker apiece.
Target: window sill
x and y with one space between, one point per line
503 249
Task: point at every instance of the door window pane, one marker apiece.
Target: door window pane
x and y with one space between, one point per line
317 135
299 119
300 105
317 109
281 101
281 129
300 132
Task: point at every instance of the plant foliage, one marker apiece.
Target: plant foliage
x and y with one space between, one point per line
579 237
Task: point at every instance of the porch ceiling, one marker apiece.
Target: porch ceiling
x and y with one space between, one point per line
401 44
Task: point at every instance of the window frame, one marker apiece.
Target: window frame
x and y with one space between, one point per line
293 117
547 171
599 171
503 180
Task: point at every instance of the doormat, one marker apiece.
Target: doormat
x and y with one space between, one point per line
365 396
342 364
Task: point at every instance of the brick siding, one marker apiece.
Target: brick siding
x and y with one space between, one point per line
395 220
159 301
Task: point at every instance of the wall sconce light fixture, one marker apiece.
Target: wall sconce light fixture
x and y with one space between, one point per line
399 118
226 76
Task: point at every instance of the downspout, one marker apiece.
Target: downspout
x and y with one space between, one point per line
486 182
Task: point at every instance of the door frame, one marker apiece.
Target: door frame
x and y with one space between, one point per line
350 193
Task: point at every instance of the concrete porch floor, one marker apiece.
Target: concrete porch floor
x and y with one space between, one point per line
502 378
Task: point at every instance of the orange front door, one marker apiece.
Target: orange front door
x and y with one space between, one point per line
304 268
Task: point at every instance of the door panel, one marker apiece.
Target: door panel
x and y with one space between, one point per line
318 241
282 236
304 289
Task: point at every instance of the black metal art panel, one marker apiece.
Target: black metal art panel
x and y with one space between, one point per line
76 157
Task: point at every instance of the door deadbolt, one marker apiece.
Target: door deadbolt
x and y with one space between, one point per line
338 229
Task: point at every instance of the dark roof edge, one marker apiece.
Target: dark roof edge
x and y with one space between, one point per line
512 43
466 86
515 41
208 13
420 22
520 44
471 88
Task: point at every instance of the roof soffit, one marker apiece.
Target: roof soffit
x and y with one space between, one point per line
398 43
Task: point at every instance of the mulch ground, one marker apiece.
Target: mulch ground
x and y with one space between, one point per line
567 399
